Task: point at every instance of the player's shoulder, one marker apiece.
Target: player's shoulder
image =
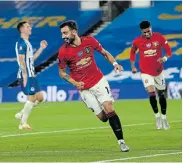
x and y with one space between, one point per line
157 34
159 37
62 49
21 41
137 39
87 38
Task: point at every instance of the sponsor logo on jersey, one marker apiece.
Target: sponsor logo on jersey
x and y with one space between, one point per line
150 52
83 61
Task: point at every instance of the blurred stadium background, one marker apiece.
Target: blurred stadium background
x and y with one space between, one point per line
67 131
113 23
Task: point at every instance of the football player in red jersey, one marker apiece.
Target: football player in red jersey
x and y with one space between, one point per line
151 61
78 54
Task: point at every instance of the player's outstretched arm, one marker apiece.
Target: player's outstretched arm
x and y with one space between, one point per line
43 45
65 76
23 68
111 60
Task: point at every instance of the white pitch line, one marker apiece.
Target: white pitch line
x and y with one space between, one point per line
146 156
71 151
76 129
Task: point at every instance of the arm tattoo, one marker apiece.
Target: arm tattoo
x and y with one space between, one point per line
66 77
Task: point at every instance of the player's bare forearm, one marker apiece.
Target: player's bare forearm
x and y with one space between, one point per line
66 77
133 55
132 64
23 66
69 79
108 56
38 52
24 71
43 45
134 70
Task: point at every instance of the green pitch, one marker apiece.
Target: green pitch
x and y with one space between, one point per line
69 132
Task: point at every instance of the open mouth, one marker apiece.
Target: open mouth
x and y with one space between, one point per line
66 40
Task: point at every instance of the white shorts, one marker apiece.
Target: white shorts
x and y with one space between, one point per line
97 95
156 81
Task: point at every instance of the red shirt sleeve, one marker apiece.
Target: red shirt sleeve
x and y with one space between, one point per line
165 45
97 46
133 52
62 62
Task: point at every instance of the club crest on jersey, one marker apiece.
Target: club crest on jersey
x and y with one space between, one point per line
80 53
87 50
20 48
148 45
155 43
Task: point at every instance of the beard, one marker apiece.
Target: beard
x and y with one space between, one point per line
69 40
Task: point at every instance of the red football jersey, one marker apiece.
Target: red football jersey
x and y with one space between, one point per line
150 51
81 62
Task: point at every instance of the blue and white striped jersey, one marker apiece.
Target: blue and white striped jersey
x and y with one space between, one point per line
24 47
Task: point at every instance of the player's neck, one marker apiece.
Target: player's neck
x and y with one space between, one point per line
76 42
24 36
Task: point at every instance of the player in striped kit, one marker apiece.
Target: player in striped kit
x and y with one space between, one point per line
26 73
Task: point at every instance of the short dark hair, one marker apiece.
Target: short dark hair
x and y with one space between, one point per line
70 23
20 25
144 24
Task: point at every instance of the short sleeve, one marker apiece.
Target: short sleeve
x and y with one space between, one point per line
97 46
62 62
21 47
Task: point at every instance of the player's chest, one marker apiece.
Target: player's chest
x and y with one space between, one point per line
29 49
149 44
76 54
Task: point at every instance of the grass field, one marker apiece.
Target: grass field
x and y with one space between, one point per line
69 132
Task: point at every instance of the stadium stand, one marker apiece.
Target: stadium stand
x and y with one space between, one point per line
119 35
45 26
165 18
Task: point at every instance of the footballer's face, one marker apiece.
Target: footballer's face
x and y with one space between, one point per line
68 35
26 29
147 33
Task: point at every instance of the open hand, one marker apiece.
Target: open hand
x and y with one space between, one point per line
161 60
118 68
134 70
79 85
